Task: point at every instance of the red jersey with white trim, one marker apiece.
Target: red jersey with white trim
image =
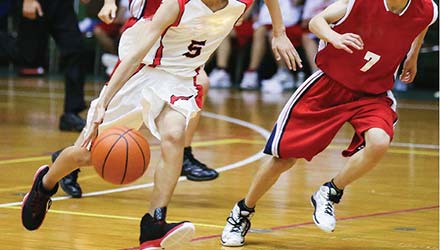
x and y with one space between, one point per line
187 44
387 39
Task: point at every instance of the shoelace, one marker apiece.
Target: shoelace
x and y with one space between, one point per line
37 205
329 208
237 225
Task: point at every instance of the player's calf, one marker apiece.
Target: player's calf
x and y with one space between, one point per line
37 201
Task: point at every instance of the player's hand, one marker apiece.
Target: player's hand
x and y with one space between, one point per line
92 130
409 70
347 40
32 8
107 14
283 49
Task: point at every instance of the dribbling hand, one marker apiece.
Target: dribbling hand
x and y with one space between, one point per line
92 130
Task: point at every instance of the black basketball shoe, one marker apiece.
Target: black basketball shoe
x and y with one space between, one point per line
157 234
194 170
69 183
37 201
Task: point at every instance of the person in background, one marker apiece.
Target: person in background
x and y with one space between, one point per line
58 19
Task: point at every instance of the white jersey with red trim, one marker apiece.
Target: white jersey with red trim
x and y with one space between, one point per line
186 45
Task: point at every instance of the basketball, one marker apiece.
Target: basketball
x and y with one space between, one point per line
120 155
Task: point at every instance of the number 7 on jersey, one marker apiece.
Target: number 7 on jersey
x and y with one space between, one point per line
371 60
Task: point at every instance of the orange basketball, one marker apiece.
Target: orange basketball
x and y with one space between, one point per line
120 155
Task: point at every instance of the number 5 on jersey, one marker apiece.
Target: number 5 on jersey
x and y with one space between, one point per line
371 60
195 48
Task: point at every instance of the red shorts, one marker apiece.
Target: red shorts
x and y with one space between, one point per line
317 111
244 32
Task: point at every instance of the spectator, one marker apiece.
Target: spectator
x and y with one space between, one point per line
57 18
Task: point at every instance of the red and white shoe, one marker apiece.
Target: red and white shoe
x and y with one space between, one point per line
156 234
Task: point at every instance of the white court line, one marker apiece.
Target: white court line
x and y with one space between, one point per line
263 132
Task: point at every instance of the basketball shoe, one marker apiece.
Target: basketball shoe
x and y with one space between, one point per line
194 170
237 225
250 80
156 234
37 201
220 78
322 200
69 183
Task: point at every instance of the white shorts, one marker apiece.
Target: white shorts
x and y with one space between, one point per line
291 14
143 97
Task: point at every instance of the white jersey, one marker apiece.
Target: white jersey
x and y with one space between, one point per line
187 44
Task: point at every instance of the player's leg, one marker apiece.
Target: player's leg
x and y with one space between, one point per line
155 232
69 183
373 121
37 201
250 77
376 145
238 222
192 168
219 76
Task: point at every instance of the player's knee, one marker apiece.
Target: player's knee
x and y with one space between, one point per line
81 157
173 136
282 165
378 142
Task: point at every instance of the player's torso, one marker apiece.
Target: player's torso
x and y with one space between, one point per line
387 38
186 46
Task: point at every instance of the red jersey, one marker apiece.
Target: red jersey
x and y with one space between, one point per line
387 39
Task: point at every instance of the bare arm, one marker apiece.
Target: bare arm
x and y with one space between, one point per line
281 45
409 70
320 26
149 32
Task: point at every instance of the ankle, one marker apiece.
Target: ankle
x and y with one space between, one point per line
46 185
243 206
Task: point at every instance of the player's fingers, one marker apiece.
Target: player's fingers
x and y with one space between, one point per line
358 38
39 10
286 58
353 45
356 41
346 48
113 14
292 59
297 58
276 53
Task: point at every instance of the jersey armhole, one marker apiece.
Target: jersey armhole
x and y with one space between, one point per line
181 10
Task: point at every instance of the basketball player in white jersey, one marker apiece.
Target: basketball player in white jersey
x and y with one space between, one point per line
154 86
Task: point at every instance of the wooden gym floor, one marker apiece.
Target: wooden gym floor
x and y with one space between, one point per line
393 207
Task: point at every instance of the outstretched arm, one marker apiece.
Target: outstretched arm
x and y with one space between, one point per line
409 70
149 32
320 26
281 45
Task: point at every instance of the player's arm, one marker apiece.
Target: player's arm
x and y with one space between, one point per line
149 32
320 26
281 45
409 70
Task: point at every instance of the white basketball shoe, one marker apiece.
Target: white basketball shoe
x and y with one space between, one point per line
237 225
322 200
